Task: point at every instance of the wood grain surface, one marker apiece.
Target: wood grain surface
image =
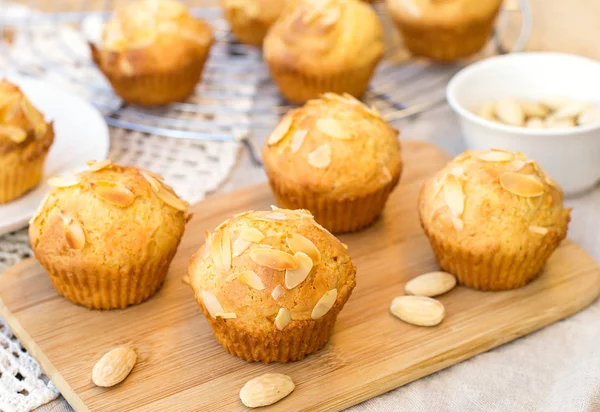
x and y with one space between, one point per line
182 368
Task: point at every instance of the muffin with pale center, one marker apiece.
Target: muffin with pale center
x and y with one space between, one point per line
25 139
320 46
335 157
250 20
271 284
493 218
106 236
153 51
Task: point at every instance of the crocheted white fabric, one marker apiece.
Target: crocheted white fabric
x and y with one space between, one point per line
192 167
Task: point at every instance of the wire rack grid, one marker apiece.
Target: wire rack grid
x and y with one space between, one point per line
236 100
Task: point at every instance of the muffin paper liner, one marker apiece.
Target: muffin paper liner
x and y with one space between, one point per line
17 178
337 216
293 343
155 89
491 271
298 87
444 43
99 287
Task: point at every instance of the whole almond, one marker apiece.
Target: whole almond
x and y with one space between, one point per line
266 390
114 367
430 284
418 310
509 111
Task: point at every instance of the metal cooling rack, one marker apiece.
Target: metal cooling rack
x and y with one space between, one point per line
236 99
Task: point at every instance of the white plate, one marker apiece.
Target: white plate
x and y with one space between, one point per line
80 134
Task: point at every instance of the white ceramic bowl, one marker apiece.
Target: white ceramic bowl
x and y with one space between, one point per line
571 155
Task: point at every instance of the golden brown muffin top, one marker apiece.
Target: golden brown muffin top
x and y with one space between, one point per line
325 36
107 215
153 35
444 12
20 122
247 11
271 269
482 199
336 146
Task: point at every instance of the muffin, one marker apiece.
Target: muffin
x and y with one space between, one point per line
444 30
25 139
106 236
493 218
271 284
319 46
251 19
335 157
153 52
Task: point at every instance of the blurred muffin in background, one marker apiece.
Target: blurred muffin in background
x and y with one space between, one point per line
153 52
320 46
251 19
25 139
447 29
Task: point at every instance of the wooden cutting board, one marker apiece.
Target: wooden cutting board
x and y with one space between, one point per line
182 368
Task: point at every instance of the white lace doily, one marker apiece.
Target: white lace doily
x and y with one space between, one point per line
193 168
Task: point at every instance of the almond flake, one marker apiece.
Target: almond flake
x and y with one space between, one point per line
283 318
333 128
246 238
211 303
293 277
33 116
280 131
240 246
453 195
207 243
63 181
155 184
96 166
274 259
534 109
589 116
14 133
226 315
330 17
488 111
457 171
221 250
457 223
276 216
324 304
297 140
345 246
495 156
251 279
299 243
320 157
74 233
387 176
277 292
539 230
521 185
516 165
115 193
172 200
252 235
